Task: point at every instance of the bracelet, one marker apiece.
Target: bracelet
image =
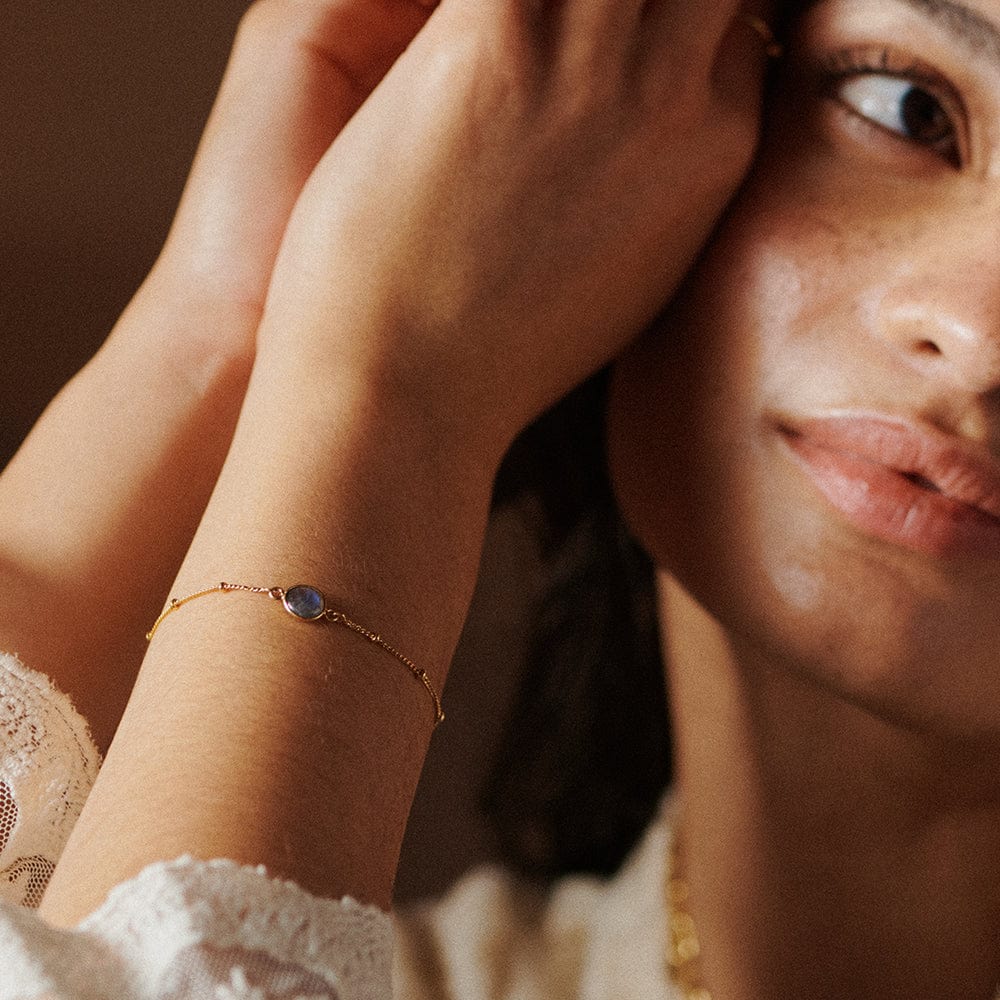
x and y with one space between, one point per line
309 605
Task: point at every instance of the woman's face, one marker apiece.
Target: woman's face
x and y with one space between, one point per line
810 442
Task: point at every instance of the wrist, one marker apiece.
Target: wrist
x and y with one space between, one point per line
184 327
384 399
348 487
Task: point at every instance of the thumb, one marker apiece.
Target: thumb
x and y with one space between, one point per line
747 50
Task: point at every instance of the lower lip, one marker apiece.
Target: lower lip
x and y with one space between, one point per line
884 503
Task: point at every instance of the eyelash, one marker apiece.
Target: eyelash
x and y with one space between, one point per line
852 65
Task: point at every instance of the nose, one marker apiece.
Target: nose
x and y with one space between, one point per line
942 315
946 345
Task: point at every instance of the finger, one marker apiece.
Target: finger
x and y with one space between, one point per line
745 54
357 39
694 29
606 27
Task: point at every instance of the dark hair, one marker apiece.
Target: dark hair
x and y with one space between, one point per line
586 753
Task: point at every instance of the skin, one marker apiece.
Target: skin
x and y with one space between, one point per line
835 695
837 724
441 280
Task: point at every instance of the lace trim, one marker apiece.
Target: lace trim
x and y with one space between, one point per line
24 731
171 906
48 765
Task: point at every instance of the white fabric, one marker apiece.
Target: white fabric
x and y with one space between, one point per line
183 929
186 930
189 929
492 938
48 763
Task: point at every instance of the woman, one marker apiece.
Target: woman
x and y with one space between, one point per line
806 447
825 497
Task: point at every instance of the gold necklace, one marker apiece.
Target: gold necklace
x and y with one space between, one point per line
683 946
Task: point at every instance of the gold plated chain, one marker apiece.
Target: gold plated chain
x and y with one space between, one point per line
683 946
308 604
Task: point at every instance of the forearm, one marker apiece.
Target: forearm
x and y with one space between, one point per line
102 500
256 737
260 738
99 506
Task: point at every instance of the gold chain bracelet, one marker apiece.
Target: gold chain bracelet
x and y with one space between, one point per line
308 604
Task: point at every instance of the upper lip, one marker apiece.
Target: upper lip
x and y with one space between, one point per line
957 468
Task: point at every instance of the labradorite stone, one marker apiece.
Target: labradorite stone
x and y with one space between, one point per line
305 602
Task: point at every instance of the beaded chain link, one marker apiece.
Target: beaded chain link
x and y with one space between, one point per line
683 945
683 960
308 604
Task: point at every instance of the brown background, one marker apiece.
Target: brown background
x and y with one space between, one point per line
103 105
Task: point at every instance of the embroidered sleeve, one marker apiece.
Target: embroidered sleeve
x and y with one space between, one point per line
48 764
179 929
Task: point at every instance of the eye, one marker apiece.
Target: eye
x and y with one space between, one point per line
903 107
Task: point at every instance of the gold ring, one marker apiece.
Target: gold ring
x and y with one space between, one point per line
759 26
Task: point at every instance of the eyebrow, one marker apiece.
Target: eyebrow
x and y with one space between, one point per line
975 31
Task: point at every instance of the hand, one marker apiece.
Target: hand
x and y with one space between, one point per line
517 200
511 205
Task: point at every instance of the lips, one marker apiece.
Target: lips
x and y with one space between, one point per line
910 485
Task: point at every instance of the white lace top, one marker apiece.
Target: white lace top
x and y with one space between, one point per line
185 929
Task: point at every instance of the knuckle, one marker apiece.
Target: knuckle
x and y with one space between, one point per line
516 41
502 66
739 143
272 20
257 18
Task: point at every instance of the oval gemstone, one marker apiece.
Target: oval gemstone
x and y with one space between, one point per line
304 602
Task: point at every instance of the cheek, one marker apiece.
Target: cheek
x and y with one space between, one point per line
687 398
777 314
782 314
775 317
